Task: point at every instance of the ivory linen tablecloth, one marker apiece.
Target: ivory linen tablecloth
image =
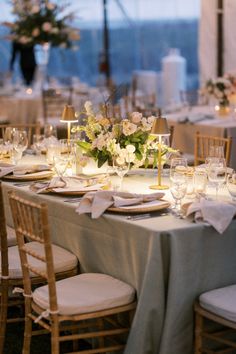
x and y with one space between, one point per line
169 261
184 133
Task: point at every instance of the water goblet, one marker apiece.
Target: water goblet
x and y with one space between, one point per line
38 143
217 172
20 143
121 166
200 182
231 185
178 190
178 166
60 165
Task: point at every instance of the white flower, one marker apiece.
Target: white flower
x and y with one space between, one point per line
130 148
35 9
88 108
55 30
50 6
99 142
46 26
136 117
128 127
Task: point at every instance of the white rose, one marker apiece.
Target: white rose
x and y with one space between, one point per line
46 26
55 30
136 117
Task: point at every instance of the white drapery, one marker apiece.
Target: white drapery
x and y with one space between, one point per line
208 38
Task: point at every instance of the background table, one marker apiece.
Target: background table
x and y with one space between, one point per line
184 133
169 262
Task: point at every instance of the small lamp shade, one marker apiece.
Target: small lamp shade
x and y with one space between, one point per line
69 114
160 127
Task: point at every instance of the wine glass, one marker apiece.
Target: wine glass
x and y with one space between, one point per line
60 165
38 143
178 189
231 185
200 182
121 166
178 165
20 143
217 172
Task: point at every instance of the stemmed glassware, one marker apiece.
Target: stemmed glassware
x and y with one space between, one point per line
231 185
20 143
217 172
178 182
121 166
38 143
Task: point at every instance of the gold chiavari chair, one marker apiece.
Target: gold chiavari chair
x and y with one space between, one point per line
91 302
204 142
65 264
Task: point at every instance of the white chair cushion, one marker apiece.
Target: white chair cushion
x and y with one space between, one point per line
11 236
86 293
63 259
220 302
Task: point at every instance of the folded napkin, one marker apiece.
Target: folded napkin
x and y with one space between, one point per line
97 202
48 186
6 170
218 214
27 169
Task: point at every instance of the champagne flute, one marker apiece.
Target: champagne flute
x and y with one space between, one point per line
217 172
231 185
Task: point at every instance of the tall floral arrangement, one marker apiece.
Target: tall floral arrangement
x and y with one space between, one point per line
42 21
105 137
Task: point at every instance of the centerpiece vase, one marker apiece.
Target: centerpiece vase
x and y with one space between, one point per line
42 52
223 109
27 63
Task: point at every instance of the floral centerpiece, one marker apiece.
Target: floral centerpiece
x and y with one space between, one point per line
222 88
105 137
42 21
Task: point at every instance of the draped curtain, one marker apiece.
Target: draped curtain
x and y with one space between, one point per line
208 38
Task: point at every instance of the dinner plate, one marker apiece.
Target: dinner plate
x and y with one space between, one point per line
30 176
146 207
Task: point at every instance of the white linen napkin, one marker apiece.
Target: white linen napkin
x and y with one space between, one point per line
97 202
218 214
6 171
27 169
48 186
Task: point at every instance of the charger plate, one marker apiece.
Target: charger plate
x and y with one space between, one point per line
146 207
79 192
30 177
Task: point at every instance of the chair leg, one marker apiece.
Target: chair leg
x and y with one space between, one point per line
55 348
28 327
198 333
3 315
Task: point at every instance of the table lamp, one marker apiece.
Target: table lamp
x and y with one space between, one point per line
68 116
159 129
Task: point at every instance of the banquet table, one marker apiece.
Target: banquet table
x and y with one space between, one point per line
187 122
168 260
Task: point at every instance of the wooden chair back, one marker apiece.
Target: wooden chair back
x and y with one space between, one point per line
31 222
204 142
31 128
54 101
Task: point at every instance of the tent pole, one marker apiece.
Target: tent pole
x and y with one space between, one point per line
220 37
